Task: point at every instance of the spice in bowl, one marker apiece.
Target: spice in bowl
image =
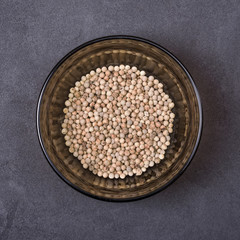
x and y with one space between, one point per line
118 121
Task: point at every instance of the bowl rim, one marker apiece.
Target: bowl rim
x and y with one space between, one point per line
111 37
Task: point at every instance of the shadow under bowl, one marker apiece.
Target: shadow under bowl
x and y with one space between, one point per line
147 56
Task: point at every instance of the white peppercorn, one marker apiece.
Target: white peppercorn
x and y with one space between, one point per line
118 121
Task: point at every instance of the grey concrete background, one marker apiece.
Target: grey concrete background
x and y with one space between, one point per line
204 203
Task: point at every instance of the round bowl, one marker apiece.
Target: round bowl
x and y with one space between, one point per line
147 56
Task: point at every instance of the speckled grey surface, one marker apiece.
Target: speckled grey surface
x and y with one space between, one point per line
204 203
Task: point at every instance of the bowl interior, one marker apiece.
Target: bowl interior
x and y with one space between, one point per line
154 61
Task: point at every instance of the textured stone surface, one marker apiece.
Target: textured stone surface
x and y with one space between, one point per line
204 203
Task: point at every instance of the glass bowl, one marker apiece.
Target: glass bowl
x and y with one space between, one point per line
147 56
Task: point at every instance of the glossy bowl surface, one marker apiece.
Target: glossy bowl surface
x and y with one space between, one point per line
156 61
